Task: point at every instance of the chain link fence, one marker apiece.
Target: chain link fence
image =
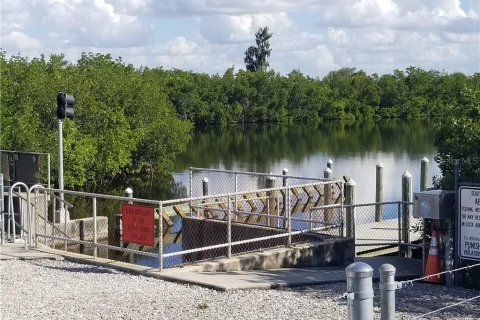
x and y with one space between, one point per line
184 231
228 181
383 228
189 230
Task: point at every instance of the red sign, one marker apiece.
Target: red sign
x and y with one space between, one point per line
138 224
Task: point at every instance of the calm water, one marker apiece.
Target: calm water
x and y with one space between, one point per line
304 150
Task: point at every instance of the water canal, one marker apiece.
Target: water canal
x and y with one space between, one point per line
304 150
355 149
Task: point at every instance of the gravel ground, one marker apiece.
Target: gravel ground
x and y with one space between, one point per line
46 289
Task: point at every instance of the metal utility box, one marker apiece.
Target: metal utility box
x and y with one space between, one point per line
434 204
19 166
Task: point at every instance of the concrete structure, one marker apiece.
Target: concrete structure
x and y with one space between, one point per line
313 250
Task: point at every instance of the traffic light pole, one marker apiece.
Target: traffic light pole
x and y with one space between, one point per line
65 104
60 171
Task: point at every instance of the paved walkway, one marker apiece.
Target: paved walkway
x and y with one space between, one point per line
233 280
12 251
275 278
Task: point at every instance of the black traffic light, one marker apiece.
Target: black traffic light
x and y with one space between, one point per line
65 104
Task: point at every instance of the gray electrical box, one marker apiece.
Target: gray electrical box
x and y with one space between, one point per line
434 204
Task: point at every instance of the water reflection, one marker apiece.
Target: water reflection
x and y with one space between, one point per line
304 150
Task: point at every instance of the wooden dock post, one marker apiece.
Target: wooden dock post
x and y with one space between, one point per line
330 164
205 186
379 192
327 196
271 201
81 236
424 174
350 210
118 220
284 195
406 210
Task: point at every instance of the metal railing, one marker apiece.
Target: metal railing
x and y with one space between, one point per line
238 223
229 181
394 232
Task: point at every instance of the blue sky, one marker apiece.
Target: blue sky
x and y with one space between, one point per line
313 36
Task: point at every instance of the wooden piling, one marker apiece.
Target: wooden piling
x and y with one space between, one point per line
379 192
205 186
406 210
330 164
424 174
350 210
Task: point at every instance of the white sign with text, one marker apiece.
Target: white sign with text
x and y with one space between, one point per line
469 237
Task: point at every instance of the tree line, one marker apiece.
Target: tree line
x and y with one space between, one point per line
132 120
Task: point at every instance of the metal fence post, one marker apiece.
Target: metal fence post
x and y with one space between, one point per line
284 198
289 218
160 237
327 195
235 204
350 209
94 204
360 291
406 199
229 229
399 227
379 192
45 216
387 292
2 218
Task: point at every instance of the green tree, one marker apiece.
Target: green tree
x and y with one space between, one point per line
458 140
256 56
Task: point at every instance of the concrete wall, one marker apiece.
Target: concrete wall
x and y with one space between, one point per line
315 249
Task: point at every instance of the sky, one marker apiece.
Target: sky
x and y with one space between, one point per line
210 36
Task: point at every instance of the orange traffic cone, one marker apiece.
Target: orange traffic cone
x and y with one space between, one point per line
433 261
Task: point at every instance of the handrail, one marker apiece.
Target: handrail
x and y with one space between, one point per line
62 200
11 213
248 173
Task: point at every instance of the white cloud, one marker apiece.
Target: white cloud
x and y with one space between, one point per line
338 36
227 29
181 46
95 23
20 41
315 36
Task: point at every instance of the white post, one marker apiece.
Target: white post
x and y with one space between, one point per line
424 174
129 194
330 164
